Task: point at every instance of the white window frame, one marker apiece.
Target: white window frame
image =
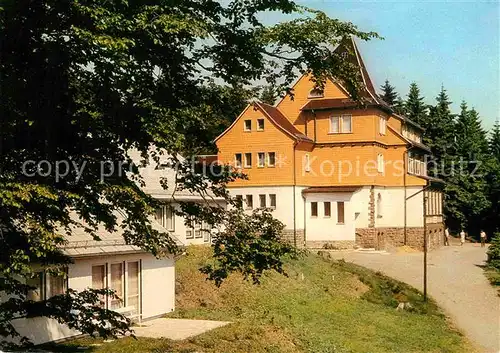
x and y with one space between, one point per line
317 209
329 209
332 124
307 166
269 159
245 128
164 210
247 198
262 201
380 163
263 124
247 161
110 279
263 155
382 125
344 116
236 163
271 201
316 93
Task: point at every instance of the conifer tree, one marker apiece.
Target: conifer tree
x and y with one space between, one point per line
415 107
494 142
389 94
439 131
466 185
399 105
492 220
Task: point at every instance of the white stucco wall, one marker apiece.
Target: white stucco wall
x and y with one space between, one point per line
284 202
393 207
323 228
360 207
158 293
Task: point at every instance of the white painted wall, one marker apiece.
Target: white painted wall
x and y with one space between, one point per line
360 207
393 207
158 293
284 202
323 228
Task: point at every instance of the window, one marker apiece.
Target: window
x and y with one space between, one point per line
346 123
380 163
327 209
260 124
46 285
166 217
271 159
117 285
382 125
248 125
239 201
37 293
379 205
249 201
261 156
237 160
189 234
248 160
197 230
262 201
272 200
340 212
133 299
307 166
334 124
56 285
315 93
314 209
99 280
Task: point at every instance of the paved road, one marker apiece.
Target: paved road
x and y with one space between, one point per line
454 280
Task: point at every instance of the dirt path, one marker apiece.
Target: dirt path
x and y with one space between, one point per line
454 280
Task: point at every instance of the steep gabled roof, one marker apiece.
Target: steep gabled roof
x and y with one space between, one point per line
276 117
349 48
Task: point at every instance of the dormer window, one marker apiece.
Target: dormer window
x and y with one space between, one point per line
260 124
248 125
315 93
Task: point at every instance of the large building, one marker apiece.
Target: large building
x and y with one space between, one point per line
336 173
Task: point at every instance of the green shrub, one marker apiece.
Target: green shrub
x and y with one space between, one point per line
494 252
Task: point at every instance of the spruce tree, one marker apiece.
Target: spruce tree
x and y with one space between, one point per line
269 94
439 130
389 94
494 142
415 107
399 106
493 180
466 185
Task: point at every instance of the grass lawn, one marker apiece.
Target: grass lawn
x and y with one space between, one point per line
493 275
323 306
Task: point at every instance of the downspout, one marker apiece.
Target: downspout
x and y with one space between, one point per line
424 213
314 114
405 161
294 203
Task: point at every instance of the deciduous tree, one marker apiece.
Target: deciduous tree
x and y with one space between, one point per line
87 81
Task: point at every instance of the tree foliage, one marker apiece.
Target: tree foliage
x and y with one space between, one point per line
414 107
87 81
389 94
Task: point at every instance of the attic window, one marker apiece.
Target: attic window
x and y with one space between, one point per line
316 93
248 125
260 124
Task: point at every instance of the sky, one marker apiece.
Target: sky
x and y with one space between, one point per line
433 43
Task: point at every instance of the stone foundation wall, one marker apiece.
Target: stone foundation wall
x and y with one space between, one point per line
289 237
333 245
384 238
